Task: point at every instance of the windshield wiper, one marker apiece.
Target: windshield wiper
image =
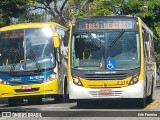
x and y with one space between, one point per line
14 62
93 39
117 38
33 58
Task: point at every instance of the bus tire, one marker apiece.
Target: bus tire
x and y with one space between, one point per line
35 101
82 104
58 99
150 97
65 95
142 103
14 101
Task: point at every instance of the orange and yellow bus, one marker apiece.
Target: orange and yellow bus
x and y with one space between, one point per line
32 63
110 57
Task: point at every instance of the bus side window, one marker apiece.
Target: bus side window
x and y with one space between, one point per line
146 43
152 51
63 45
66 38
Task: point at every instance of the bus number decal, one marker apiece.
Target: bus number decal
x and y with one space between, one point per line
122 82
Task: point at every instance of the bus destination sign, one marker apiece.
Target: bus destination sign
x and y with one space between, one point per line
12 34
89 25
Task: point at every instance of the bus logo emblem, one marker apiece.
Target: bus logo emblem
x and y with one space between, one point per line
105 85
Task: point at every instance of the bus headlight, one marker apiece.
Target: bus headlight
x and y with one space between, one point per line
76 80
51 77
3 82
134 79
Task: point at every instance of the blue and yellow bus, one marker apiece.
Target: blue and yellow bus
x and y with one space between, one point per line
110 57
32 62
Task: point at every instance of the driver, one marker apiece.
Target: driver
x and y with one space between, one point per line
87 54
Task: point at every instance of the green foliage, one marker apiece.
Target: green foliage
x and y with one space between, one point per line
98 7
2 22
148 10
31 18
11 8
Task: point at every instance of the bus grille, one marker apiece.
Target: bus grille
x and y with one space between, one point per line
105 77
97 94
20 82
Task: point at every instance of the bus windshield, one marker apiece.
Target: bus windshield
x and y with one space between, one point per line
26 50
120 49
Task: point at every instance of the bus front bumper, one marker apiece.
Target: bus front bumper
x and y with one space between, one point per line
48 88
133 91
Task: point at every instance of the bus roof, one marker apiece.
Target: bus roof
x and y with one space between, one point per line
108 16
29 25
107 22
111 17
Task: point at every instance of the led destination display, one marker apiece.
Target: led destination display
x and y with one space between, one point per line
82 25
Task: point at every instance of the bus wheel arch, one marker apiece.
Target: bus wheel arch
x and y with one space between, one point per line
62 97
65 89
150 97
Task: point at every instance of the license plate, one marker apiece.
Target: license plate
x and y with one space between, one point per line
105 92
26 87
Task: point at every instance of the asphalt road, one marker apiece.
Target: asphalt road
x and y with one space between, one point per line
103 110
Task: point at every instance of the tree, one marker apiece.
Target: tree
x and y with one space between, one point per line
53 7
64 10
149 11
11 8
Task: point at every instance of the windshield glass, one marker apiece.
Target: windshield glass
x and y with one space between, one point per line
96 52
26 50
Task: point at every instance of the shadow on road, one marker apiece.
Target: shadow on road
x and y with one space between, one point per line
109 105
45 101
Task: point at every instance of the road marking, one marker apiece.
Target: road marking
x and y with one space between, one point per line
152 105
2 118
55 107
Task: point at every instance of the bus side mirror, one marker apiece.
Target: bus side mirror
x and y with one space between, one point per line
66 38
56 40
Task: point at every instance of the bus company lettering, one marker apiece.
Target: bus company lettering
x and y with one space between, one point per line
106 72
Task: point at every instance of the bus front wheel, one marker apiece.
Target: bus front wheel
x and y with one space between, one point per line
150 97
58 99
142 103
82 103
